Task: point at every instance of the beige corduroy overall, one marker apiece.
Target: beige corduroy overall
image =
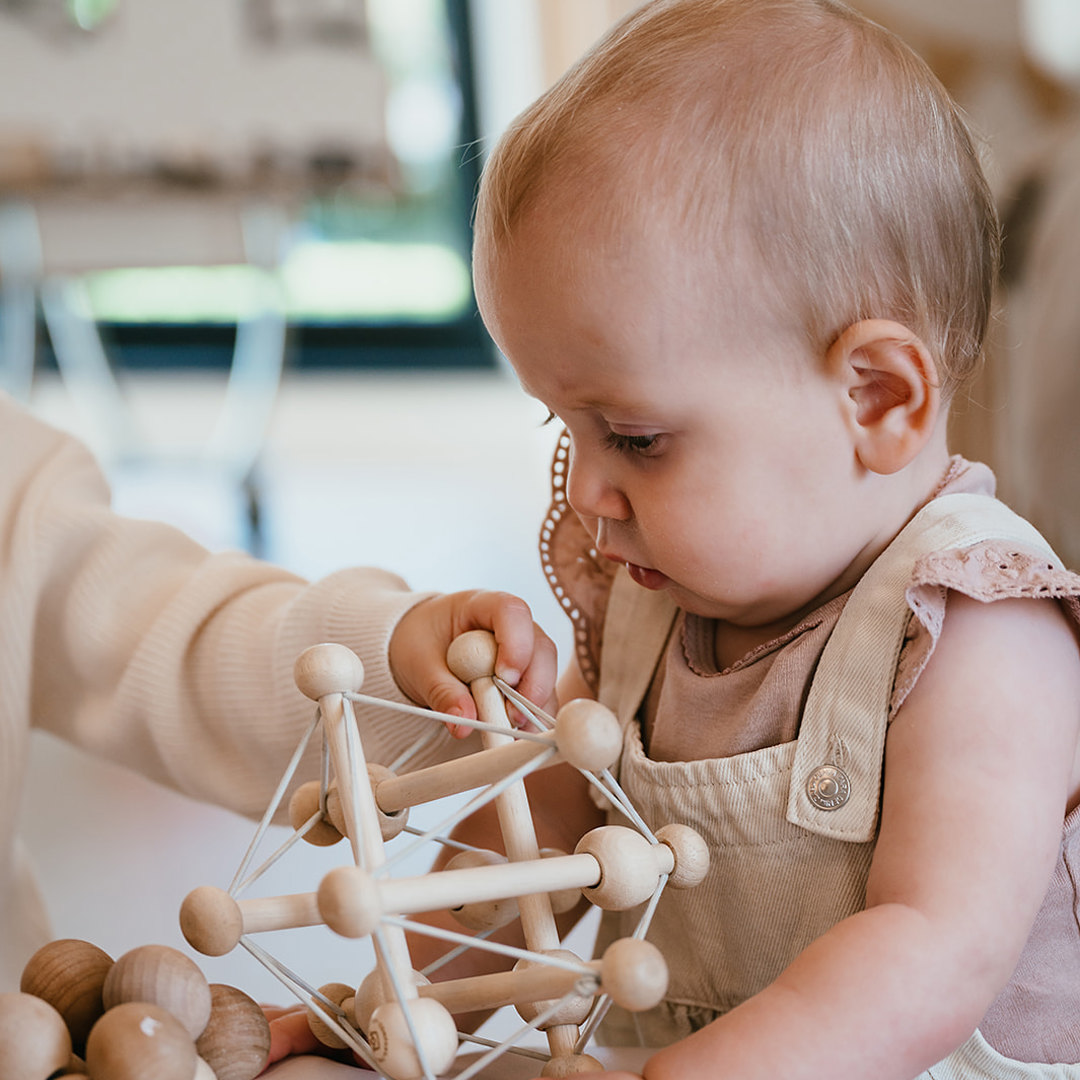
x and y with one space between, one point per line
791 828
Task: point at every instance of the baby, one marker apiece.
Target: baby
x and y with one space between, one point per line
744 252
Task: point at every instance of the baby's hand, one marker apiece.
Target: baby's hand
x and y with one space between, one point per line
291 1036
526 658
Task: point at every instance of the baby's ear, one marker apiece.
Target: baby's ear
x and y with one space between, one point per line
892 384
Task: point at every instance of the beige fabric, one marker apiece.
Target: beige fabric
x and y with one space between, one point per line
131 641
782 873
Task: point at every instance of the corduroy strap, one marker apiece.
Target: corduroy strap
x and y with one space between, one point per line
836 781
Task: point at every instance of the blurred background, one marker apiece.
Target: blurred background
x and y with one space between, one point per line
234 258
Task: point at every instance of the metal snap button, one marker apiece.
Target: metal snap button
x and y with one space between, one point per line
828 787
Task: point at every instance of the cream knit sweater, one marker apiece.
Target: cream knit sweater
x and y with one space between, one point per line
130 640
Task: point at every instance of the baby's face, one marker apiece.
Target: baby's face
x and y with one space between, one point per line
710 452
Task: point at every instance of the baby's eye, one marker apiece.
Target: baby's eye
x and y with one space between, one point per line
642 445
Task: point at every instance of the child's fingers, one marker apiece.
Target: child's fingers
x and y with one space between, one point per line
290 1033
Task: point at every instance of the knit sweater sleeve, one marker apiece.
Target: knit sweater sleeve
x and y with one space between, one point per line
144 648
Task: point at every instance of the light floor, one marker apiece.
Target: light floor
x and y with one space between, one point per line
443 478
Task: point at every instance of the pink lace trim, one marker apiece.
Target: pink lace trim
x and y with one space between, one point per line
988 571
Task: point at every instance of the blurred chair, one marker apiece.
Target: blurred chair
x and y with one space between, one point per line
51 240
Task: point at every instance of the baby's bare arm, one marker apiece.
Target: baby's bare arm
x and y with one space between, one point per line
980 769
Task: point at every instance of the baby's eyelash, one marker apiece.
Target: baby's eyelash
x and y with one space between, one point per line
548 419
635 444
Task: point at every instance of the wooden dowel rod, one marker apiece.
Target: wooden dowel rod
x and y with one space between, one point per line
362 823
453 777
515 823
537 982
475 884
280 912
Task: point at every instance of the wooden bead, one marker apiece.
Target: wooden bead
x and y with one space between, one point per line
69 975
337 993
635 974
137 1040
628 871
390 825
328 669
392 1043
471 655
211 921
588 735
370 995
571 1065
303 806
691 855
573 1010
161 976
236 1040
34 1040
484 914
349 901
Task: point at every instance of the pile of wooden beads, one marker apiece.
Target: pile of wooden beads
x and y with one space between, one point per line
149 1014
396 1020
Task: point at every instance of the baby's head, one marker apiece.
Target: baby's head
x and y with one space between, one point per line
810 168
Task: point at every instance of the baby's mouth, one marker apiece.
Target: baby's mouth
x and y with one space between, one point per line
646 578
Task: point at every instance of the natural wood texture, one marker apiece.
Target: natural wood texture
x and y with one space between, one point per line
211 920
394 1040
482 915
471 658
452 777
689 853
34 1040
303 806
69 974
338 993
235 1043
161 976
328 669
136 1040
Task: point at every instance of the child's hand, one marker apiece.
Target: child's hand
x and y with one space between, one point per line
291 1035
526 659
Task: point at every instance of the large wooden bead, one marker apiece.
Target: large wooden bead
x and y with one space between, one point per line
303 806
571 1065
328 669
392 1044
211 921
628 870
236 1040
69 975
370 995
691 855
635 974
483 915
161 976
34 1040
471 655
588 735
573 1008
135 1041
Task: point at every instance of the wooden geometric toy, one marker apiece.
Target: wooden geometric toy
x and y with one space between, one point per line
395 1019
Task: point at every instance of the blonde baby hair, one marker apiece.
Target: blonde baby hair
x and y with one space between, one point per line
850 174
